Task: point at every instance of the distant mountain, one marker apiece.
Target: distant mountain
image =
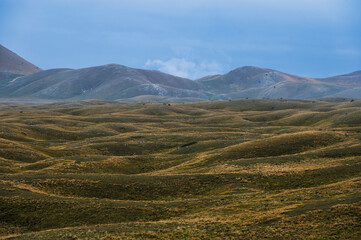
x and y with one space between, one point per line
110 81
242 78
12 63
255 82
351 80
117 82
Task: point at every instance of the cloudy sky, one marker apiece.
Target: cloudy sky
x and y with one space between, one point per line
188 38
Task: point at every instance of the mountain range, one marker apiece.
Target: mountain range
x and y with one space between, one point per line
20 79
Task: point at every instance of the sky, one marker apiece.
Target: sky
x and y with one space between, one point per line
187 38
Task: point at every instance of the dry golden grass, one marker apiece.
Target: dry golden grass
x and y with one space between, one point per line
252 169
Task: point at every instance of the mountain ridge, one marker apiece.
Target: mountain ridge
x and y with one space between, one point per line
13 63
111 81
115 81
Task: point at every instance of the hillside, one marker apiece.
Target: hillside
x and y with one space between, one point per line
12 63
239 169
21 81
351 80
113 81
110 81
255 82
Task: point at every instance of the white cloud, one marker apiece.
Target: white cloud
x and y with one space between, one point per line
182 67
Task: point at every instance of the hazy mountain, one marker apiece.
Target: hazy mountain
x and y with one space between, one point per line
102 82
352 79
13 63
6 77
248 77
255 82
117 82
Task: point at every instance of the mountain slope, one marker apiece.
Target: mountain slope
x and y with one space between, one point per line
13 63
248 77
352 79
289 90
110 81
255 82
118 82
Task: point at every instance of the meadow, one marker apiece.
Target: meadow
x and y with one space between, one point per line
240 169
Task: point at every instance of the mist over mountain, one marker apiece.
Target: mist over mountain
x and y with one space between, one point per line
21 79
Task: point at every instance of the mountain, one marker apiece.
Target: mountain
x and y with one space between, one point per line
240 79
12 63
350 80
20 79
110 81
255 82
118 82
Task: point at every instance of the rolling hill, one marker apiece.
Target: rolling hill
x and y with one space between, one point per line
240 169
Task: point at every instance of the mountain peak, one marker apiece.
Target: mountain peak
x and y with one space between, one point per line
249 70
13 63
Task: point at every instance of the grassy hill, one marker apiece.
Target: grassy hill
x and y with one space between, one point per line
252 169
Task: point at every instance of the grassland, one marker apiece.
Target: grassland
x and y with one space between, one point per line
251 169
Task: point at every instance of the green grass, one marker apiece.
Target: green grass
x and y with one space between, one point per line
251 169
